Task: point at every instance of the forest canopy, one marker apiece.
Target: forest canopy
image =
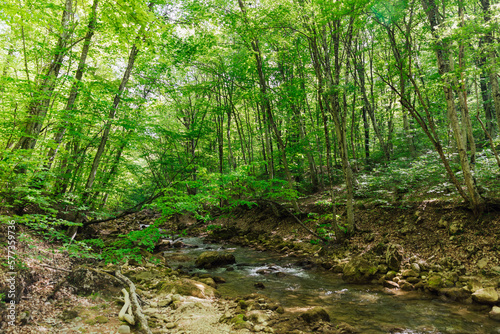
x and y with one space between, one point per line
107 105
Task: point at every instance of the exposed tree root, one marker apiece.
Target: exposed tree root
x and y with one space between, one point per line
135 303
126 311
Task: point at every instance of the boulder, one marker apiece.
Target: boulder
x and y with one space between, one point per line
87 281
413 280
213 259
219 279
495 313
390 275
409 273
259 285
359 270
394 256
239 322
315 314
474 284
457 294
485 296
406 286
415 267
187 287
257 317
208 281
124 329
435 282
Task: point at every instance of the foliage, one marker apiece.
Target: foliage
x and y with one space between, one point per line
220 103
226 191
213 227
133 245
403 176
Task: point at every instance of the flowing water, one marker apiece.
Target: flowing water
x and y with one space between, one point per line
372 309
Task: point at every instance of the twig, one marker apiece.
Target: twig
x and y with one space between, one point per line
294 217
55 268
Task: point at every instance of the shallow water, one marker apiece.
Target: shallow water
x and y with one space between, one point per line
372 309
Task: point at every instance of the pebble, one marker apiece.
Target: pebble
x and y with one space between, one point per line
123 329
495 313
482 263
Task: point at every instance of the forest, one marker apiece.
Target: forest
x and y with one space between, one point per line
206 108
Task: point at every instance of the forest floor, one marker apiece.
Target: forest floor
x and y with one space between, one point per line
442 233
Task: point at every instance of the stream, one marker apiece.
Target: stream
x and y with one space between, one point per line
370 308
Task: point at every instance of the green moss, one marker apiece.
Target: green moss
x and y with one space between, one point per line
243 304
435 282
239 322
101 319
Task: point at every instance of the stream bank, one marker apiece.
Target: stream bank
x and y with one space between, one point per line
433 248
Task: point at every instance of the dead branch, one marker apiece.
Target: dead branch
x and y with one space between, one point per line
293 216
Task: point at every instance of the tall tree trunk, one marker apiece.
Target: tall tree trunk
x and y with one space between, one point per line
462 97
443 60
107 126
267 107
108 177
486 97
232 160
76 83
40 102
492 59
370 107
366 132
333 82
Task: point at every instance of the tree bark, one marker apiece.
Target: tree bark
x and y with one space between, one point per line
491 57
443 61
75 86
107 126
39 105
267 107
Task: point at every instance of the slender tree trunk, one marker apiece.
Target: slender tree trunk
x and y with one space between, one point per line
366 132
241 134
444 68
75 86
370 108
39 105
340 121
462 94
486 97
107 127
232 160
267 107
108 177
492 59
